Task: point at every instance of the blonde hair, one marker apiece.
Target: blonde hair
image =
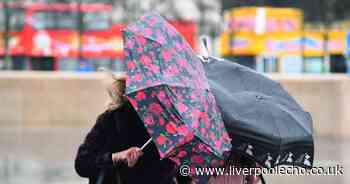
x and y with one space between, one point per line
116 89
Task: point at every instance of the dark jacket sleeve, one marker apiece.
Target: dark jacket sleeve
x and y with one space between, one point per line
90 159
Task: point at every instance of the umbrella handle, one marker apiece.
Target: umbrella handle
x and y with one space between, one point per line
147 143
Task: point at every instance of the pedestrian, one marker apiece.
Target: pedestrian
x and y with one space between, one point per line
112 146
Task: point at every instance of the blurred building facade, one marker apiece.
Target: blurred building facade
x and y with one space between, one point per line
322 26
276 39
51 48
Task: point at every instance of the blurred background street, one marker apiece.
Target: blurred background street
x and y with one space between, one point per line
50 50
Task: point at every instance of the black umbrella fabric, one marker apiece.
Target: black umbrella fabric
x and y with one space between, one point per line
263 120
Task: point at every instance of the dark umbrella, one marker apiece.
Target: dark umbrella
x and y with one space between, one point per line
264 121
167 86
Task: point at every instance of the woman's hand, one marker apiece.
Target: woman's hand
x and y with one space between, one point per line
130 155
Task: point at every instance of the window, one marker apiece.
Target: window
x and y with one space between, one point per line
16 21
2 20
96 21
55 20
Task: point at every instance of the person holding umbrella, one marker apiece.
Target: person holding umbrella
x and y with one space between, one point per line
112 147
165 100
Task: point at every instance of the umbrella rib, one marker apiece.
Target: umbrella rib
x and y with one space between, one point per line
282 107
177 114
286 111
279 132
280 144
224 90
160 84
143 69
142 35
127 29
180 119
160 44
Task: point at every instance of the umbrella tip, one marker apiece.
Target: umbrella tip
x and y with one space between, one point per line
205 45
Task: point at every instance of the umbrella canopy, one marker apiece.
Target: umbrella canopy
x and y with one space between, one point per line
267 124
167 86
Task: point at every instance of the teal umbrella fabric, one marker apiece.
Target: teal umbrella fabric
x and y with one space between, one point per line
167 86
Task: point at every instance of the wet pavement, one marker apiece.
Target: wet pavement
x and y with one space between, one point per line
46 155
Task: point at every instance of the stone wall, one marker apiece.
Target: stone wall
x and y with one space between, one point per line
50 99
42 99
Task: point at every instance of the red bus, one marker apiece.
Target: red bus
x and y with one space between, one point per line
16 43
58 39
66 36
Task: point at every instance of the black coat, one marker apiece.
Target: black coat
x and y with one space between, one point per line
115 131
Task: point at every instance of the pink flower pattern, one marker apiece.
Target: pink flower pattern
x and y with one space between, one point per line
167 86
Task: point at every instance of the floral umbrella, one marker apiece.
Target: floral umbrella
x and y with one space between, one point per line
167 86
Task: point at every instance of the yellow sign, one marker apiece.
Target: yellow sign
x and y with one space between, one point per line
225 48
283 43
313 43
242 43
276 31
245 43
276 19
337 41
